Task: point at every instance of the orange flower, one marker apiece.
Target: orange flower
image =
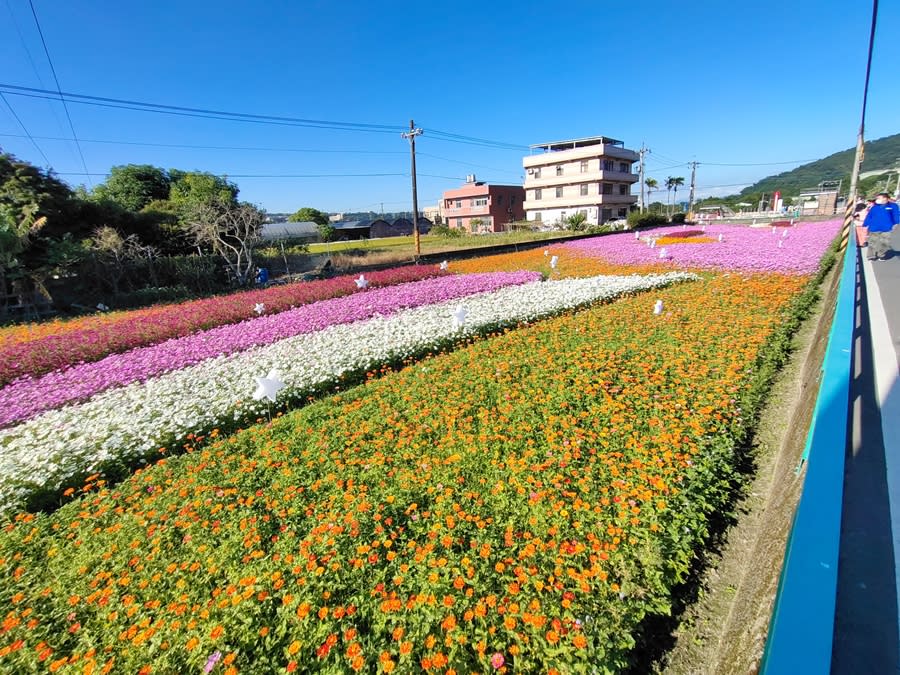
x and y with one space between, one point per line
552 637
216 632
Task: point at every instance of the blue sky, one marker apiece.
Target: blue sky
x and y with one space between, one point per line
726 84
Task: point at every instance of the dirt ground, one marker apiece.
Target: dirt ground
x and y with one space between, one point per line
725 630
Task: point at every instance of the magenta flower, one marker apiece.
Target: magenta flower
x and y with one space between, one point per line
103 335
211 662
742 248
26 397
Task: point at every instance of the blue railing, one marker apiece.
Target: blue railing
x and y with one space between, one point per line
802 625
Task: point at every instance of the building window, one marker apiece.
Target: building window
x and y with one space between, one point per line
459 222
537 216
623 189
584 166
459 203
607 188
559 192
482 201
559 170
609 165
624 167
537 193
584 189
623 213
537 172
499 200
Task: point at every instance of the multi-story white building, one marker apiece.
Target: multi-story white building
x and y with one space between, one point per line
592 175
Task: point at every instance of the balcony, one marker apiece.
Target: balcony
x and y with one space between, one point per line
579 201
550 179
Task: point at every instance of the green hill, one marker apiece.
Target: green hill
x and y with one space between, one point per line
883 153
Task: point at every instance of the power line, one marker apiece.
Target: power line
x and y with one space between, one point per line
104 101
214 147
471 140
793 161
456 161
271 175
27 133
56 80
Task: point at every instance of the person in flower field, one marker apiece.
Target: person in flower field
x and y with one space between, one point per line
882 218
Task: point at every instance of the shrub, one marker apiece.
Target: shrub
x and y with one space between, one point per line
150 296
678 218
577 222
445 231
636 220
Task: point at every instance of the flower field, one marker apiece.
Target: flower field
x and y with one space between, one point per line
36 349
27 396
789 250
127 423
524 475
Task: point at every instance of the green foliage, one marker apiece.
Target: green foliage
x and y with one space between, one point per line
133 186
445 232
193 188
678 218
309 214
151 295
636 219
577 222
597 229
86 281
326 231
879 154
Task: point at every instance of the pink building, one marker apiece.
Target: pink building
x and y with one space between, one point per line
492 207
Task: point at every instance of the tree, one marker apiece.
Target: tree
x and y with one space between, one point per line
308 214
651 184
672 182
16 231
192 189
133 186
36 210
231 230
326 231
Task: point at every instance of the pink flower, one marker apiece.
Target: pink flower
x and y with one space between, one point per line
497 660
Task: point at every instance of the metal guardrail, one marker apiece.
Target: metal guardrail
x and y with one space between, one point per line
802 626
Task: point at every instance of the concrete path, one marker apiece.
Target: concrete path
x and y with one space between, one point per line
867 621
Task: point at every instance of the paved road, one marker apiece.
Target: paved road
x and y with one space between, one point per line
867 622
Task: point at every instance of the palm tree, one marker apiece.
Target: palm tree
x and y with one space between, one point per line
672 183
651 184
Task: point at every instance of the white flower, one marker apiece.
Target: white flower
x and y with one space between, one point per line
129 422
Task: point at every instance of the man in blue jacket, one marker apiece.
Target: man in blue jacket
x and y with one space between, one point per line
881 219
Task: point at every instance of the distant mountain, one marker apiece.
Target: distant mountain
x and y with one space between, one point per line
880 154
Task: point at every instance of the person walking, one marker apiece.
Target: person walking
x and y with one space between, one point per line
883 217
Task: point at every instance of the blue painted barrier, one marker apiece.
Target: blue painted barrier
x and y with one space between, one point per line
802 626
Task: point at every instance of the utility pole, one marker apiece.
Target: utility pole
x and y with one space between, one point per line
413 132
693 183
642 153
